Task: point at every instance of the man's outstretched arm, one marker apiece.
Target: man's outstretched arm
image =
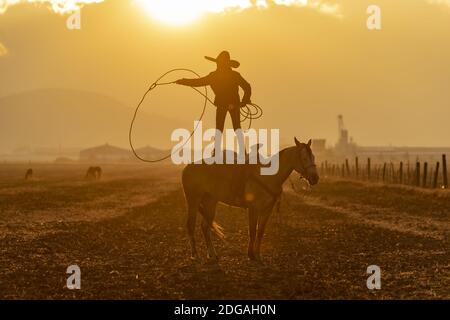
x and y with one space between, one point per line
199 82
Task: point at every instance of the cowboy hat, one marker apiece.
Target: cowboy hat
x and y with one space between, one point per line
224 58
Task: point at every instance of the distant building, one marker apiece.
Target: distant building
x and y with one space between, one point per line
150 153
106 153
345 144
345 148
62 160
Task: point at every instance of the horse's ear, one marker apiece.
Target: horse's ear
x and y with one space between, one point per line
297 143
309 143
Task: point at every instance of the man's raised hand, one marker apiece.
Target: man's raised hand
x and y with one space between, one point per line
181 81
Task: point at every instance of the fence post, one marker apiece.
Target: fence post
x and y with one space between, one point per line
347 168
430 177
368 169
384 172
356 167
392 173
400 175
408 173
425 173
444 170
436 175
417 174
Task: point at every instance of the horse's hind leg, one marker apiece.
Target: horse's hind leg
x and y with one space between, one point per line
252 222
193 207
208 211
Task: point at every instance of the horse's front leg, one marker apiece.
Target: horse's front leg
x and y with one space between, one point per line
252 222
192 217
206 228
262 222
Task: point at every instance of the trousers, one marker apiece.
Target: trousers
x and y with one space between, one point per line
235 114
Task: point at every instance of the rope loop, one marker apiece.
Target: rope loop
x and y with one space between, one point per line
246 112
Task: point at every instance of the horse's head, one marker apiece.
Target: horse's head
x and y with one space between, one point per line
305 165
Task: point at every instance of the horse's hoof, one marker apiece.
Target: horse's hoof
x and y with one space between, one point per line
212 261
212 257
194 257
255 258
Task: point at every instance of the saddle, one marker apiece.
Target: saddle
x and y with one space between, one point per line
241 175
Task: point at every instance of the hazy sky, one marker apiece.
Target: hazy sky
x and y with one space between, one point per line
306 64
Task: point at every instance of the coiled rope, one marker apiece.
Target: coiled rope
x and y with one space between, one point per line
249 112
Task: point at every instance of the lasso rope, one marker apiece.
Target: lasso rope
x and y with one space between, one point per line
246 112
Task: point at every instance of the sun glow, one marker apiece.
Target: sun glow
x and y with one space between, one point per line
174 12
181 12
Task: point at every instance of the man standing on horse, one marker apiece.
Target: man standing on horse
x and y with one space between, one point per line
225 83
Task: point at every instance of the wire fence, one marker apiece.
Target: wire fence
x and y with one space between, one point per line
419 174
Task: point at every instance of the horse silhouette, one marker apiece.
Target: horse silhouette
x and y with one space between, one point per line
29 174
94 173
206 185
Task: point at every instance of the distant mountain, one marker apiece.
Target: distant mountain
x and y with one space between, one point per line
71 118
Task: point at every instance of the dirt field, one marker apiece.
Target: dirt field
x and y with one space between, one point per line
126 232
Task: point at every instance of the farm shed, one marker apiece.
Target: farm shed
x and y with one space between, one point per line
106 153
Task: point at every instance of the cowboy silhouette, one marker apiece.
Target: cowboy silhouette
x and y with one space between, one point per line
225 83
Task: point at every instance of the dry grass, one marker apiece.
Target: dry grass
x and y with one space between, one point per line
126 232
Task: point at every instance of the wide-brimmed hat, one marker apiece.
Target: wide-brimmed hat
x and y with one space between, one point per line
224 59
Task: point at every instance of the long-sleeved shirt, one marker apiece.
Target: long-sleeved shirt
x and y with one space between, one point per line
225 85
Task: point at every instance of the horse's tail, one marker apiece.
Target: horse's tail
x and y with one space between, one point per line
218 230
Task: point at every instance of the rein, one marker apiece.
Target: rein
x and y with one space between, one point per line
276 196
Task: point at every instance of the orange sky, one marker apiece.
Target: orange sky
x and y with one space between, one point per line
305 66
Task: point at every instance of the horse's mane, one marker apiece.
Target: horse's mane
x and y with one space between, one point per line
308 149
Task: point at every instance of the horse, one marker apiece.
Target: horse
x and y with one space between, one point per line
94 173
206 185
29 174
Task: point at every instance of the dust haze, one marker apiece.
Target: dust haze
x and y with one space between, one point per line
306 67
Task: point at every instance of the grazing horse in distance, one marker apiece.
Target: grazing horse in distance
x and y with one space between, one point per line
29 174
206 185
94 173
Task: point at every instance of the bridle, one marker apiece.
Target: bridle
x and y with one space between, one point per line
305 169
310 166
